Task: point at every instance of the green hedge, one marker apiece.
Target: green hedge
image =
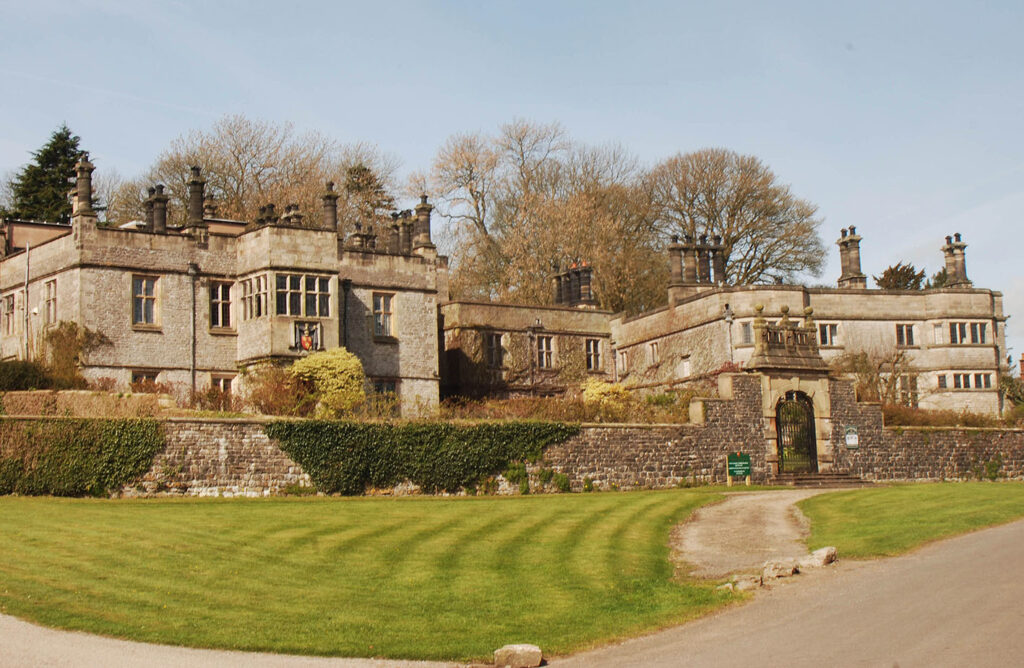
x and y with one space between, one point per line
75 456
345 457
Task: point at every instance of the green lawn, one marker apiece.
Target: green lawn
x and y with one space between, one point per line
414 578
891 520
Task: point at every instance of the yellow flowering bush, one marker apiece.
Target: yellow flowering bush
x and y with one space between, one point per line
336 378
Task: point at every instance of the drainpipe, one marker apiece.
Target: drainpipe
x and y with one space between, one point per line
193 274
28 248
346 287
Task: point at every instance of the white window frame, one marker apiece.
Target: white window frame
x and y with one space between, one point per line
592 351
828 332
50 302
383 304
545 352
8 314
254 297
493 350
652 352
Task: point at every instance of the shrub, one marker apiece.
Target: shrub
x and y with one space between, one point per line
603 392
904 416
273 390
65 345
76 456
337 380
346 457
18 375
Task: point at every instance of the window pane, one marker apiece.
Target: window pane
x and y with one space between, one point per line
310 304
310 284
147 312
296 282
324 305
137 310
294 303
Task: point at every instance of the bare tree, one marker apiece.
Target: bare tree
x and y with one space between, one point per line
768 234
248 163
528 199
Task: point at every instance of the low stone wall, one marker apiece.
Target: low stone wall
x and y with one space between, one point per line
928 453
919 453
85 403
219 458
659 456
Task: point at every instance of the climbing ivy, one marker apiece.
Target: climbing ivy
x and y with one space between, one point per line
346 457
75 456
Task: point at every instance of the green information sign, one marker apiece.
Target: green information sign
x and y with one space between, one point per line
739 465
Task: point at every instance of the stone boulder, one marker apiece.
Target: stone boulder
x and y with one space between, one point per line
518 656
818 558
779 569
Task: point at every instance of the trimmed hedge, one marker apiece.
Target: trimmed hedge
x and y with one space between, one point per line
75 456
345 457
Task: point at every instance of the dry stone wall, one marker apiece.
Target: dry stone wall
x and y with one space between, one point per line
219 458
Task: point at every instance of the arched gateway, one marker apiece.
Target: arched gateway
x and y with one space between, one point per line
794 424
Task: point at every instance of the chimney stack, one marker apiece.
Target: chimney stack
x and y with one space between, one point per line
147 207
159 210
689 260
330 199
849 255
406 230
675 262
82 204
956 262
586 296
703 260
196 226
422 229
718 260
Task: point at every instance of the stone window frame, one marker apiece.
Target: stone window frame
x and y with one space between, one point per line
255 297
961 381
623 358
747 333
142 375
139 318
828 334
592 354
220 305
50 302
302 295
941 382
905 335
223 382
494 352
906 389
383 309
982 381
963 332
545 351
653 353
8 307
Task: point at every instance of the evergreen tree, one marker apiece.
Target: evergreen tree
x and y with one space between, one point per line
40 190
938 280
900 277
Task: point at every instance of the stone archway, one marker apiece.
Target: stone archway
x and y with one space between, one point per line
795 427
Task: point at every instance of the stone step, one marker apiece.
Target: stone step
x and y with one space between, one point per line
825 479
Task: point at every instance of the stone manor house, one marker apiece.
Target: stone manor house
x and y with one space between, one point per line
197 305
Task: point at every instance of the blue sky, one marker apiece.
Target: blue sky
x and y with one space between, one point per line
903 119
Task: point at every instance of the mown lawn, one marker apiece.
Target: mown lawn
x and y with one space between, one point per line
412 578
892 520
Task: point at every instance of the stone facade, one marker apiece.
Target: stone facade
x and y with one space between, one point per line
196 306
222 296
